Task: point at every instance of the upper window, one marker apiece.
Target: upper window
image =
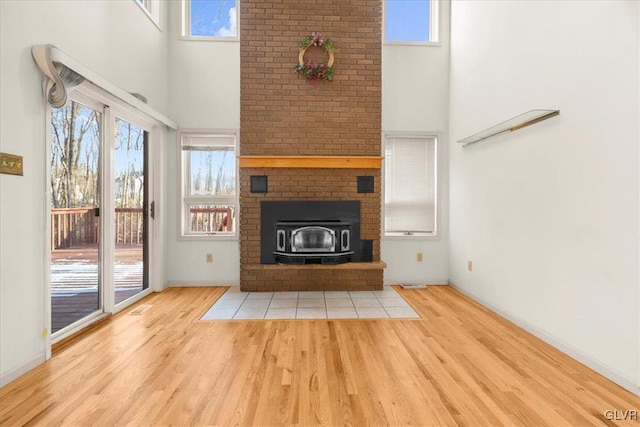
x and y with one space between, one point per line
209 194
152 9
210 19
410 185
411 21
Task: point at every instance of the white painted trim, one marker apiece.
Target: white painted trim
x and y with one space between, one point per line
107 212
47 231
59 56
157 224
79 325
157 9
199 283
129 301
599 367
19 371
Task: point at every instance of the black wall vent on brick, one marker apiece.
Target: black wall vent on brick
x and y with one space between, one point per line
366 247
365 184
259 184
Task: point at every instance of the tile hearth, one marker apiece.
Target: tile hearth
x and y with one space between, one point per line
385 304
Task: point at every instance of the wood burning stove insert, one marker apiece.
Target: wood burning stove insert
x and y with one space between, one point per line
310 232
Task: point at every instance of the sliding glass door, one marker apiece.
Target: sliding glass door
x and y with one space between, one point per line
100 210
76 135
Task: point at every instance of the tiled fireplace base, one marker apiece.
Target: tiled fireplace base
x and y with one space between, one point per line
354 276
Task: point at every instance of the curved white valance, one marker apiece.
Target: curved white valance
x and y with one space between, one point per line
58 76
63 73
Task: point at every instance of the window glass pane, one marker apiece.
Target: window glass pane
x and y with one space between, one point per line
410 185
205 219
213 172
213 18
407 20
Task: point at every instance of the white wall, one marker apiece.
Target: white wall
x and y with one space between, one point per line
415 97
549 214
205 94
118 41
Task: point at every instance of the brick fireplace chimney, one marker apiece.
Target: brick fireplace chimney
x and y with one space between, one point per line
333 129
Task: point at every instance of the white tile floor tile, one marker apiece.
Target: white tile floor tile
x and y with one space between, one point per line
361 294
229 305
284 303
250 313
233 297
341 313
235 304
339 302
288 294
366 303
311 313
336 294
372 313
260 295
281 313
393 302
255 303
310 302
310 294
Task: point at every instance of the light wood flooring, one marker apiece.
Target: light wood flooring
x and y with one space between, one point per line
459 364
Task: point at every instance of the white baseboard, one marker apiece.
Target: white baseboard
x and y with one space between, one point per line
198 283
15 373
597 366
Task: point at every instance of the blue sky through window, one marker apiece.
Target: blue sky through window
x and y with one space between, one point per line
407 20
213 18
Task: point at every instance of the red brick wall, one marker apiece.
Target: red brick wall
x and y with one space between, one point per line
280 112
283 114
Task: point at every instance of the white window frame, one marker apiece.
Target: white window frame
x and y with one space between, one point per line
186 200
152 9
435 18
185 25
390 235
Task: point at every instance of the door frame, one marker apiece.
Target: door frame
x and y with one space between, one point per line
91 96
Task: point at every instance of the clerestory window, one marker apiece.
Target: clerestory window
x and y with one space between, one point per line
411 21
210 19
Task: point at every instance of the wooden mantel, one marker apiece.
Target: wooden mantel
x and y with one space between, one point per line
310 162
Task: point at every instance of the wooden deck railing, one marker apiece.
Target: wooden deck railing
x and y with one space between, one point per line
73 227
211 219
79 226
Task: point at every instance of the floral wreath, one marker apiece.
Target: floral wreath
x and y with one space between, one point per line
311 70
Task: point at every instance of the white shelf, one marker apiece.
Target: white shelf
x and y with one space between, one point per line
513 124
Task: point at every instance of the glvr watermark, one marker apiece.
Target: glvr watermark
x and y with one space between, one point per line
621 415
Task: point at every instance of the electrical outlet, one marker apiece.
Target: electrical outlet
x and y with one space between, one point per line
469 265
419 256
209 258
